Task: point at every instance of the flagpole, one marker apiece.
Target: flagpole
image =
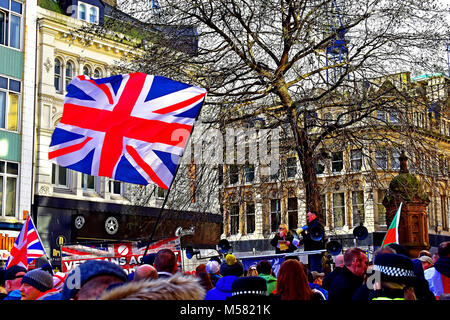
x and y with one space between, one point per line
150 240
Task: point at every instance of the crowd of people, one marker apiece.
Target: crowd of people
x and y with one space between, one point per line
390 275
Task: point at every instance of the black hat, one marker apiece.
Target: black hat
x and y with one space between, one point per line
39 278
394 267
149 258
11 272
86 271
231 267
248 287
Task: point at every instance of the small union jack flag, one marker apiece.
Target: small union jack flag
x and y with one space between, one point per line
28 246
131 127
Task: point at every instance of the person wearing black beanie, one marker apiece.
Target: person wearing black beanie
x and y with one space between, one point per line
35 283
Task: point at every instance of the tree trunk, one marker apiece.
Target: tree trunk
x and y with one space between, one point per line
305 155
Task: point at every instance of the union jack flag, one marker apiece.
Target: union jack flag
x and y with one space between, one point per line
131 127
28 246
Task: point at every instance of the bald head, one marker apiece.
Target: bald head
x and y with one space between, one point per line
339 260
145 271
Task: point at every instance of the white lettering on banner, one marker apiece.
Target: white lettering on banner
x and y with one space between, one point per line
126 255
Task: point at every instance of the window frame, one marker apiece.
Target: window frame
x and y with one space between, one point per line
250 218
292 213
87 12
4 188
100 72
111 183
384 157
68 79
356 205
234 218
395 159
277 212
8 93
333 161
7 30
358 160
60 75
84 181
56 178
341 206
291 167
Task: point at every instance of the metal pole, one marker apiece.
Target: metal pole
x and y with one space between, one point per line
150 240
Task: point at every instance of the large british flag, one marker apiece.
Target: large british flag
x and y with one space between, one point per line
28 246
131 127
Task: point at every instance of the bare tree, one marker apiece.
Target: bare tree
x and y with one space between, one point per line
316 67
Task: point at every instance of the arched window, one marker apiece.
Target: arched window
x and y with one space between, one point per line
87 71
58 75
93 15
82 12
70 69
98 73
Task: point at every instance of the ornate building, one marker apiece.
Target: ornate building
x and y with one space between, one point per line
353 172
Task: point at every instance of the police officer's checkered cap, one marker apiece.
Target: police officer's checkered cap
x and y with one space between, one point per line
394 266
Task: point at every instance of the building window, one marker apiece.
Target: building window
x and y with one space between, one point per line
93 15
115 187
234 218
393 116
250 216
98 73
381 158
234 174
319 167
395 159
291 164
249 173
11 23
358 207
292 213
82 11
8 188
275 214
160 193
337 163
70 70
381 208
356 160
88 13
59 176
338 210
274 171
9 103
87 71
381 115
58 75
88 182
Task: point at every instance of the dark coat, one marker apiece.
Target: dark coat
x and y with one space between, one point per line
289 237
344 285
308 243
329 278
